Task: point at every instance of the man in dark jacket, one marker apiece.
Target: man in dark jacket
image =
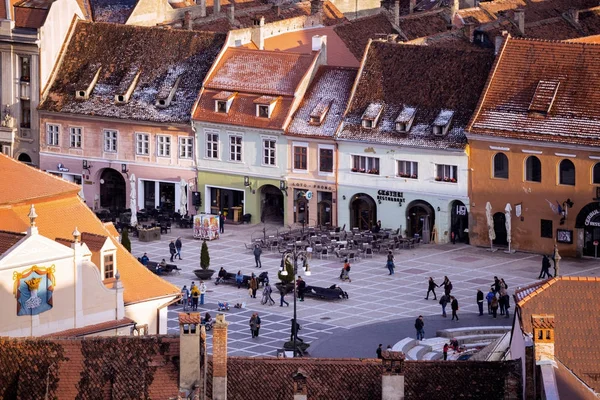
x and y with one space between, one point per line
480 301
172 250
300 286
454 306
419 325
545 268
178 246
496 284
257 252
431 288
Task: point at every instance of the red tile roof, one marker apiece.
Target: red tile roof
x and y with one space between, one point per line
8 240
424 24
115 11
356 33
93 329
33 183
552 29
574 302
589 20
189 318
522 64
93 241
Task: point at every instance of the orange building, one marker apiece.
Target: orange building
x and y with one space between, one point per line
534 146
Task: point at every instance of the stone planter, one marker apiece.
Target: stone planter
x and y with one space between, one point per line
204 274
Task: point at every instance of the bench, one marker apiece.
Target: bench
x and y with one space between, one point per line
324 293
152 265
230 278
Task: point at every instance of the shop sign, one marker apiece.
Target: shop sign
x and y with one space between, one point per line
461 210
390 195
590 219
61 168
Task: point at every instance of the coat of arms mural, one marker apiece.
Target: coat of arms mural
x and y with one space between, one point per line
33 289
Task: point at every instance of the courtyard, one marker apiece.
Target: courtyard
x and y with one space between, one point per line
380 309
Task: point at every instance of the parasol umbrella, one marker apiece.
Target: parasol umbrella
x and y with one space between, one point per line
183 202
508 224
133 201
490 223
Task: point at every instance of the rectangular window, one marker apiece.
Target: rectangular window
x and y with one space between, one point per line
212 145
546 228
75 137
269 152
263 111
408 169
235 148
25 68
25 114
109 266
52 134
300 157
110 141
365 165
326 160
186 147
142 144
6 150
446 173
163 147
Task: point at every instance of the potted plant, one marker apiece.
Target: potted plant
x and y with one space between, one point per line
437 178
287 281
125 239
204 273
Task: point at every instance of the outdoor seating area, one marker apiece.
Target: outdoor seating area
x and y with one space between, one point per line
146 218
230 279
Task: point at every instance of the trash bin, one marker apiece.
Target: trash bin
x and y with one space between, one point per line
247 218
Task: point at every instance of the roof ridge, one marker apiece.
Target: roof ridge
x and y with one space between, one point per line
551 281
269 52
563 42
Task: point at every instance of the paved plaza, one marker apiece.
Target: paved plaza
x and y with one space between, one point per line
381 308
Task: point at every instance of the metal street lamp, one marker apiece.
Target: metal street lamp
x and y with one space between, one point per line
295 255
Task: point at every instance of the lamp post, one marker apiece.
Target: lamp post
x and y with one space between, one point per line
295 255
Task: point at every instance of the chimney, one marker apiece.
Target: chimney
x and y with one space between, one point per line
319 43
392 378
498 42
231 14
300 391
573 13
397 12
316 6
219 384
258 33
454 9
278 10
412 5
520 20
187 20
217 7
202 8
469 31
543 338
190 345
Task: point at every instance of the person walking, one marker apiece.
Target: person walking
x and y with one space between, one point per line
172 249
545 268
390 262
257 252
178 248
431 288
506 305
446 351
253 284
282 294
444 302
300 286
489 300
447 286
494 306
454 306
480 301
202 289
254 324
502 299
345 274
195 297
221 222
419 326
496 284
185 294
378 351
267 299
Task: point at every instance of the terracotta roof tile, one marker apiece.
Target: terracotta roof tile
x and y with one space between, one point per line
552 29
31 15
424 24
115 11
34 184
161 53
189 318
589 21
542 321
93 241
110 227
330 88
356 33
393 75
504 110
574 304
476 15
8 240
92 329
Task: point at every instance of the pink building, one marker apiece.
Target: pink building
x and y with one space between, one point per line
117 114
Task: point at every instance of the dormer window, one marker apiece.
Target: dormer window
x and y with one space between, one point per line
544 96
127 86
319 113
109 266
223 101
405 119
265 106
442 122
371 115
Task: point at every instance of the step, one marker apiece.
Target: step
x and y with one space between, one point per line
417 352
472 330
436 343
405 345
433 355
466 339
476 345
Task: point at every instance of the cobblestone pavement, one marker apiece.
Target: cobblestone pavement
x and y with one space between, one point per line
381 308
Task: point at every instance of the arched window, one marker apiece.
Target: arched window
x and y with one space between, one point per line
566 173
533 169
501 166
596 173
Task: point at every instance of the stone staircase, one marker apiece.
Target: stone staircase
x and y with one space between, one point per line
471 338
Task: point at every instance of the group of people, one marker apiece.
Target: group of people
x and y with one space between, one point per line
175 248
446 298
496 298
191 296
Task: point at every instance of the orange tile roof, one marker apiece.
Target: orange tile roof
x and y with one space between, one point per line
26 17
33 183
111 228
189 318
93 241
92 329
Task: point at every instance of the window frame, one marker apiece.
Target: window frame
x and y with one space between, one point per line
496 173
111 139
163 149
239 147
414 169
52 137
272 157
326 147
22 76
546 235
449 175
365 164
527 169
106 263
75 135
141 139
594 182
303 147
185 146
211 145
560 177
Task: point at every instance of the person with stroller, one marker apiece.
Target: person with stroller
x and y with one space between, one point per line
390 262
207 319
345 274
267 295
431 288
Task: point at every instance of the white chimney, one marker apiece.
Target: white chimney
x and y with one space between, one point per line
231 14
520 20
411 6
397 12
190 344
319 43
392 378
187 20
217 7
258 33
455 8
202 8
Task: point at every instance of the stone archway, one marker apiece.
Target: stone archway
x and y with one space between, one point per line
420 218
459 221
24 158
271 204
588 219
363 211
113 190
